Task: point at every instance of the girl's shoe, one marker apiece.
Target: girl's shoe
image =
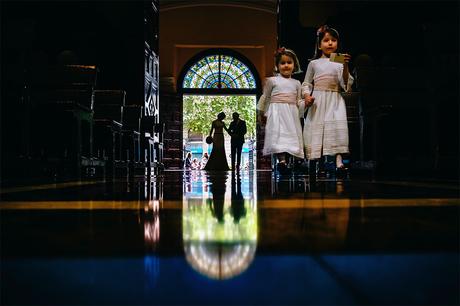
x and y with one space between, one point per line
282 167
338 162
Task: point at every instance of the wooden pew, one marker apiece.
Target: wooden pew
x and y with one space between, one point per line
132 115
61 129
108 129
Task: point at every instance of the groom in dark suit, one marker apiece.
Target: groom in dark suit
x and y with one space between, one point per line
237 130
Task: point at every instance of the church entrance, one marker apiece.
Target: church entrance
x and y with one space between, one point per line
214 81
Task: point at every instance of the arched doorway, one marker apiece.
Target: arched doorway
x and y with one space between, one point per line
212 81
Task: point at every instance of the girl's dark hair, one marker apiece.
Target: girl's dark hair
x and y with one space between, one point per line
288 52
320 33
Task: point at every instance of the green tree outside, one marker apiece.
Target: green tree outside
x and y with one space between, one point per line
200 111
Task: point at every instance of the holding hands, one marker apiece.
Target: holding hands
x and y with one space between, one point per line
309 100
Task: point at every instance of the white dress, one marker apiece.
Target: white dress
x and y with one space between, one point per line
326 127
280 104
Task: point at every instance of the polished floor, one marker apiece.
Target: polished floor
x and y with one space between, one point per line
217 238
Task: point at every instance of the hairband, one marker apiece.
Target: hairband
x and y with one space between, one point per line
280 50
324 28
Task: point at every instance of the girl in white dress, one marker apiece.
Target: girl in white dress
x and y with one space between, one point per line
326 128
279 103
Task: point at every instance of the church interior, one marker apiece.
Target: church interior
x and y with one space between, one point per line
103 101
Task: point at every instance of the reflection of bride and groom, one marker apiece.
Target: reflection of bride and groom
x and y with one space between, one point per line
216 204
214 245
237 129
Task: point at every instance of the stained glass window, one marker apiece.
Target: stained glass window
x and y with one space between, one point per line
219 71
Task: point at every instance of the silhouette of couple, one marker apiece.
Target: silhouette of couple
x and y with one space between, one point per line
236 130
217 203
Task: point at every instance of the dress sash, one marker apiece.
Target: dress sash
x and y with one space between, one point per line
326 82
284 98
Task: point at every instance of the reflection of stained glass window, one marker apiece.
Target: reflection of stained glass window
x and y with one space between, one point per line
218 249
219 71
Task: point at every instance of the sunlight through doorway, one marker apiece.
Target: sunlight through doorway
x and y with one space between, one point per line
199 111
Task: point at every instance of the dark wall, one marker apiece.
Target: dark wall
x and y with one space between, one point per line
389 30
106 34
38 34
412 66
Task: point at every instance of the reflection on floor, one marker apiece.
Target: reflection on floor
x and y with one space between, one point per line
218 238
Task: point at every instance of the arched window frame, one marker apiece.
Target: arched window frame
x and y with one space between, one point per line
219 91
